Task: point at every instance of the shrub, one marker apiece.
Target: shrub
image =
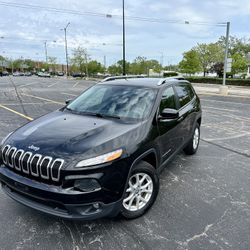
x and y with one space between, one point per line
237 82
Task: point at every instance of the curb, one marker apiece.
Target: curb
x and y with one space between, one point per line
217 94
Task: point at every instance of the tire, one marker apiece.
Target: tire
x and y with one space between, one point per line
140 201
193 144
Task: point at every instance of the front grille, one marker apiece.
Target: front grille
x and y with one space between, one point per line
34 165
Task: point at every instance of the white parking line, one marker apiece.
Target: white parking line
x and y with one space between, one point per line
44 99
230 110
227 137
28 84
76 84
27 103
53 84
68 94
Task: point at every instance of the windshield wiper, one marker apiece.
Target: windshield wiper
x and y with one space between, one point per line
101 115
72 110
109 116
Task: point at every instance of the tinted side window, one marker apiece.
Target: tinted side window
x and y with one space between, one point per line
168 99
185 93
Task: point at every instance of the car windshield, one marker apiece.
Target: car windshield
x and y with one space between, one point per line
115 101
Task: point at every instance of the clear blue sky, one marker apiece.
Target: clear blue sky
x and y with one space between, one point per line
25 29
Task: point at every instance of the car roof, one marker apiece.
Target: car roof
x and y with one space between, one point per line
144 82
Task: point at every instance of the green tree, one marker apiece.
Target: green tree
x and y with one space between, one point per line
80 60
114 69
95 67
29 63
190 63
172 67
153 64
238 51
209 54
52 63
117 68
139 66
17 64
44 66
2 58
239 64
236 45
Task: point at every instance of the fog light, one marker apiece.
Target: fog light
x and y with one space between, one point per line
87 185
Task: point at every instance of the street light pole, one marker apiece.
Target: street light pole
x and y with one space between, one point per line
66 49
123 36
226 54
104 61
46 52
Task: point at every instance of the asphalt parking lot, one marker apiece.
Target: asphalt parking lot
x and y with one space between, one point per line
204 200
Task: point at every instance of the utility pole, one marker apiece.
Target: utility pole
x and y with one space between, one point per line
123 36
226 54
46 52
66 49
104 61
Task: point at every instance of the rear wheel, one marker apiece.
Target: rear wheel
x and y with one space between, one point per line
141 191
193 144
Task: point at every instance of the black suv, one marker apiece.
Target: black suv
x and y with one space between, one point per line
102 153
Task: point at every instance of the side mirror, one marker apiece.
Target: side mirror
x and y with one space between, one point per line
68 101
169 114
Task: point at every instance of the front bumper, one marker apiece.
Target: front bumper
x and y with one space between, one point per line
55 200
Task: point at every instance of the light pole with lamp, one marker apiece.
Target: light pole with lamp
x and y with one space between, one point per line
46 51
2 37
123 40
66 48
224 88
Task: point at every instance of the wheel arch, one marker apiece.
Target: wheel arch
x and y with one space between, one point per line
150 156
144 156
199 120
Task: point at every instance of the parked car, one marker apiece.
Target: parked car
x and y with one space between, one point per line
4 73
103 152
240 76
77 74
17 73
28 74
60 73
43 74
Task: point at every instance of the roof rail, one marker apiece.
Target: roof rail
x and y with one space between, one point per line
112 78
164 80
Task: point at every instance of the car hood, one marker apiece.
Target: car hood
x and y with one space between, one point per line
72 136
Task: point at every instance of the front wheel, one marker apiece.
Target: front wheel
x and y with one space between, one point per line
193 144
141 191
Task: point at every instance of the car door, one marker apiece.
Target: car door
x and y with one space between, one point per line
168 128
185 96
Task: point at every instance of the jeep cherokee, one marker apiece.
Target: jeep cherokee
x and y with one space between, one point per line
101 154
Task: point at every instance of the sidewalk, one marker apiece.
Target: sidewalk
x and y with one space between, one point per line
213 89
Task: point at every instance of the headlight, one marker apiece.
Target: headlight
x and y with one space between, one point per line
5 138
100 159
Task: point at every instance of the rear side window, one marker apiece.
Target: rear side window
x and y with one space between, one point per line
185 93
168 99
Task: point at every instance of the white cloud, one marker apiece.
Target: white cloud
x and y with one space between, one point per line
26 30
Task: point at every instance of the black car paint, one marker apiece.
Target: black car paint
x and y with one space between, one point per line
61 134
